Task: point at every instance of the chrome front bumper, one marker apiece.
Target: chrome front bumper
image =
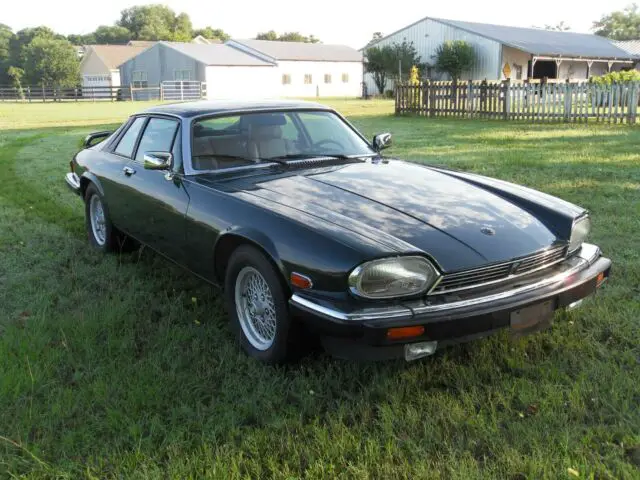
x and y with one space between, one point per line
73 182
570 277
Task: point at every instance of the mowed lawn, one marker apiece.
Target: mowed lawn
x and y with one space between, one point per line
124 366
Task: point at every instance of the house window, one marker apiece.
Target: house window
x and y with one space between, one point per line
518 72
308 79
182 75
286 79
139 80
327 78
345 78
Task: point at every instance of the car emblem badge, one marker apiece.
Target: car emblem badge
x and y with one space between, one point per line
488 231
514 268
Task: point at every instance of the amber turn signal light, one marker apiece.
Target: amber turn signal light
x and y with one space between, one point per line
300 281
600 280
404 332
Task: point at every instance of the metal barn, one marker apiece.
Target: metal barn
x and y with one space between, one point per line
511 52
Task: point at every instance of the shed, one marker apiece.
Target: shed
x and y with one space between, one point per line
512 52
228 72
309 69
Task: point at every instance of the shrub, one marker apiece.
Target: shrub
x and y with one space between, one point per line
617 77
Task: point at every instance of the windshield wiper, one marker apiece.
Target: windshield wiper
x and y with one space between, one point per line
309 156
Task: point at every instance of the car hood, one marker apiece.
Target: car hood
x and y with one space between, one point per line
458 224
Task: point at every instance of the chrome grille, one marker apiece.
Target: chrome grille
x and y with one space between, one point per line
465 279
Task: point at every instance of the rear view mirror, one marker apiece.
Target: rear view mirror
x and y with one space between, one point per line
382 141
157 160
94 138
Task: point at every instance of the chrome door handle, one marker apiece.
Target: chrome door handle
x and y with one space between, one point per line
128 171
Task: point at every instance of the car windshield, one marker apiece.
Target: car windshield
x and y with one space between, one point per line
246 139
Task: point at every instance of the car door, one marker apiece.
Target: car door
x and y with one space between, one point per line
157 202
112 160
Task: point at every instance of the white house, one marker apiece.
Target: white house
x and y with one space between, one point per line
309 69
511 52
100 64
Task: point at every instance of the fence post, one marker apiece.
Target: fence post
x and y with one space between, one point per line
469 97
506 101
432 99
567 101
397 92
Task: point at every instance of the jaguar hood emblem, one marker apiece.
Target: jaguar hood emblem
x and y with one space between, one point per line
488 231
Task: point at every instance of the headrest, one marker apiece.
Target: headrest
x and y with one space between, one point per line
264 132
266 119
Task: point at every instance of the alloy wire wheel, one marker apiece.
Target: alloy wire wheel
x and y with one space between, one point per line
257 302
255 308
97 218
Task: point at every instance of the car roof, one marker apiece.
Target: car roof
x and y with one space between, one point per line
204 107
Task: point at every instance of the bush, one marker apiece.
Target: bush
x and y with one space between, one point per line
616 77
389 94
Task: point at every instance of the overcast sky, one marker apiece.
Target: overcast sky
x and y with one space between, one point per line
333 21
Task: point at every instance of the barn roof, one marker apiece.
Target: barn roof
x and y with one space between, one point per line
538 41
114 55
216 54
302 51
631 46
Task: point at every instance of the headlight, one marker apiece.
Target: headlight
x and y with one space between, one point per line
393 277
579 233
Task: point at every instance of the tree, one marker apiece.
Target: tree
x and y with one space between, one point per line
112 35
620 25
22 38
378 60
51 61
212 33
79 39
454 57
559 27
6 34
287 37
385 62
156 22
16 74
377 36
404 56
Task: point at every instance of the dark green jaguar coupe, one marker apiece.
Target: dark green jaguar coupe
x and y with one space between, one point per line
308 227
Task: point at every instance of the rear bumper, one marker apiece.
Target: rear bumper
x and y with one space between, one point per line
362 334
73 182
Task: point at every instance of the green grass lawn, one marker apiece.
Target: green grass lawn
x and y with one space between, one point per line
124 366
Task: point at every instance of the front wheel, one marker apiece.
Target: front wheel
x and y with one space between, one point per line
257 305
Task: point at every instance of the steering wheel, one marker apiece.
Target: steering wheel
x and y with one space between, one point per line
328 141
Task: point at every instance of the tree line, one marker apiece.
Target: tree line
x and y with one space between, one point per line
40 56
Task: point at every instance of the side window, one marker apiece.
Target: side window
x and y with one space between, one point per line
128 141
157 137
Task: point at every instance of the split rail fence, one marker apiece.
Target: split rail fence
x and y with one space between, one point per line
537 102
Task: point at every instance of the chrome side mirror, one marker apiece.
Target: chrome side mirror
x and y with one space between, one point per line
382 141
157 160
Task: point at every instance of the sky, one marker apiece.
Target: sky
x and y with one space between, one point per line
332 21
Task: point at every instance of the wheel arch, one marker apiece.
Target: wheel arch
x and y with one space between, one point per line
87 179
231 240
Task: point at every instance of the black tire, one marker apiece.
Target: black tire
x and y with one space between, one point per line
248 256
113 240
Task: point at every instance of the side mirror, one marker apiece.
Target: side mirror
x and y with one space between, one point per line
382 141
157 160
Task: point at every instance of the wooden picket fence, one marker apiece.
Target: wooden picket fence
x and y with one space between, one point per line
537 102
